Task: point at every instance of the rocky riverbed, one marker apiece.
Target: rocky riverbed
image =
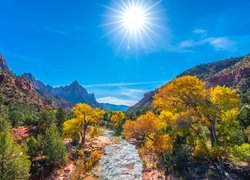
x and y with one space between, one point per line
120 161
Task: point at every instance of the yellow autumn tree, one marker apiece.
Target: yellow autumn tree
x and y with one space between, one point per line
178 104
117 119
190 108
84 117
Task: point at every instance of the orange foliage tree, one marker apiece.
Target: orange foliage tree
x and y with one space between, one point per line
143 127
147 131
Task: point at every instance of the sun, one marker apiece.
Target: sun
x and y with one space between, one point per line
134 19
133 23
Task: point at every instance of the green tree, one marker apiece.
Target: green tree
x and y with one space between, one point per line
20 114
16 117
14 163
53 146
34 146
61 116
46 120
244 116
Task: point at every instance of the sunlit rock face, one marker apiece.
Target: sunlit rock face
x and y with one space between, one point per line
3 64
121 161
19 90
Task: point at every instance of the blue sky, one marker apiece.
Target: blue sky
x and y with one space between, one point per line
60 41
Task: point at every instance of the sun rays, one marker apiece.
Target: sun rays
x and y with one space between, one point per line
133 24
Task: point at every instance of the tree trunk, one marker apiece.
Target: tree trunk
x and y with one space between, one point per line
79 140
84 134
213 133
214 141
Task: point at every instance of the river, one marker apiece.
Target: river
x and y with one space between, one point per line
120 161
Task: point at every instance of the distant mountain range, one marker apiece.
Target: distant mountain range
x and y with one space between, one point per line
29 88
233 72
108 106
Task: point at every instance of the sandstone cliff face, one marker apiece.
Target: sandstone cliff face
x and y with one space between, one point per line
19 90
237 76
233 72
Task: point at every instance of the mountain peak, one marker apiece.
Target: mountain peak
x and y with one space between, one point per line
29 77
3 64
75 83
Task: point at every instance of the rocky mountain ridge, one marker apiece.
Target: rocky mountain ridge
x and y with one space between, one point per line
233 73
70 94
27 90
16 89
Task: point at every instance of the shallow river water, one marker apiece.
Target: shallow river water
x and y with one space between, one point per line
120 161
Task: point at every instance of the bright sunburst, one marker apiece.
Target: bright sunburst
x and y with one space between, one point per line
134 23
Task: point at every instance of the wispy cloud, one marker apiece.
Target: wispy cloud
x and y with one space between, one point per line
132 93
123 93
221 43
188 43
199 31
123 84
118 101
218 43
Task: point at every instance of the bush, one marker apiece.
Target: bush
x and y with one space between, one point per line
242 152
86 163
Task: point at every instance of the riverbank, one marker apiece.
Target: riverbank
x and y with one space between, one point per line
96 144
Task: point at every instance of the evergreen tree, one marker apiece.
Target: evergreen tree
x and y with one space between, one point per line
53 146
34 146
46 120
244 116
14 164
61 116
